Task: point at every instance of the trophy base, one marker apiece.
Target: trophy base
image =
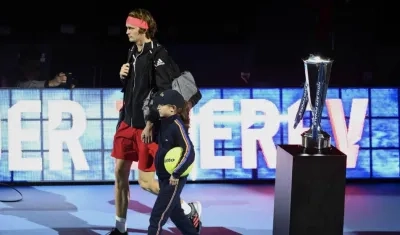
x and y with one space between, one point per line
309 191
323 140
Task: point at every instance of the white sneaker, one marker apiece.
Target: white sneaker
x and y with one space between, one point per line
195 214
197 207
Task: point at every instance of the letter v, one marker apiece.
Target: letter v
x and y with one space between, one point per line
346 139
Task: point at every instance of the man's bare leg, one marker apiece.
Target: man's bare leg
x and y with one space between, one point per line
122 171
148 182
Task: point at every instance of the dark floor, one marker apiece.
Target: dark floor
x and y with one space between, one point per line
227 209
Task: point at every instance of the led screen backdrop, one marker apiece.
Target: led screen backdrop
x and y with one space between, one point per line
62 135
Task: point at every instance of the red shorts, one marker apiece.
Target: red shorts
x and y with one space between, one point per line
128 145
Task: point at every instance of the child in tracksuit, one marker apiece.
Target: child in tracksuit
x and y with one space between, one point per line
173 132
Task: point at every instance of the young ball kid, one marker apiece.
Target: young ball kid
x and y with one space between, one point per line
173 132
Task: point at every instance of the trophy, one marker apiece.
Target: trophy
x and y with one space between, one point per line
317 71
309 170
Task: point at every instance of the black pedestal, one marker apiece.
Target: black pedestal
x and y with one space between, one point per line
309 191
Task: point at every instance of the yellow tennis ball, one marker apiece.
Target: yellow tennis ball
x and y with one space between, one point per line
172 158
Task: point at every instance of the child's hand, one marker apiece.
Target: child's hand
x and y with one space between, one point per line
173 181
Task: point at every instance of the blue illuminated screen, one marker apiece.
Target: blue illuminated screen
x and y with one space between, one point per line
67 135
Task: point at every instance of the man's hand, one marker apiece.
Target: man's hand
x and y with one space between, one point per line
147 135
59 79
123 73
173 181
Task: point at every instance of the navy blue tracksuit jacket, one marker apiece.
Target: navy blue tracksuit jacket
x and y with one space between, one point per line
172 133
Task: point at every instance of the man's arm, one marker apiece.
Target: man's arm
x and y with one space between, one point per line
55 82
184 142
37 84
163 77
152 117
163 71
33 84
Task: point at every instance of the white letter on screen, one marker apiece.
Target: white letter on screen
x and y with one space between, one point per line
70 137
0 138
208 134
16 135
346 139
264 135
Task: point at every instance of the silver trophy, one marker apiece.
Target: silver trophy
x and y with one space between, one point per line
318 72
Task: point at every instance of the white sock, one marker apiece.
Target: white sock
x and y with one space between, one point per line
120 224
186 208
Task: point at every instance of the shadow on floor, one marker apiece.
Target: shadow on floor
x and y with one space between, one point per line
372 233
136 206
172 231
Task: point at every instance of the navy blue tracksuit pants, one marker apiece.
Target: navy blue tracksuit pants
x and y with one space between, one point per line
168 205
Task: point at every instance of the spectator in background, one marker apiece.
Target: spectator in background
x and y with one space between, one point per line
29 74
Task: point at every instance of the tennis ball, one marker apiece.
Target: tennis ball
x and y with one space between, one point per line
171 160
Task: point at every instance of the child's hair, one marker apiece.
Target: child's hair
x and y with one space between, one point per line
184 114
